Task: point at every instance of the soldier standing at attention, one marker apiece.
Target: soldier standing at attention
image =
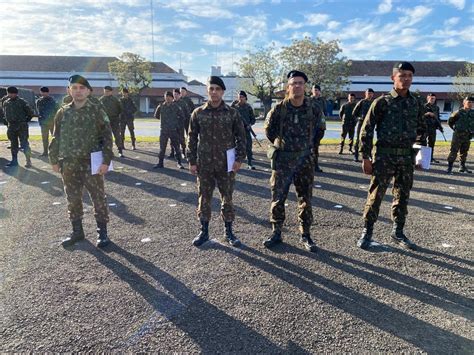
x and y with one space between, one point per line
17 114
113 109
397 117
317 99
348 122
190 104
127 117
291 127
47 108
81 128
248 119
462 123
360 110
432 122
215 130
170 116
185 113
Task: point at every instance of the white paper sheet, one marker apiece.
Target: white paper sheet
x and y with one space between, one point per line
97 158
230 159
423 158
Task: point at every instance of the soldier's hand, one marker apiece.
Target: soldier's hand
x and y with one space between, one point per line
367 166
103 169
55 168
236 166
193 169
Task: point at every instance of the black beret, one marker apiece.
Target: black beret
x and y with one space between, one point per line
404 66
125 90
176 91
78 79
469 98
108 88
432 94
370 90
243 93
44 89
168 93
216 81
183 88
12 90
295 73
352 94
316 86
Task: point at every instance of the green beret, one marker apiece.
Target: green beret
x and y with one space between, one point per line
78 79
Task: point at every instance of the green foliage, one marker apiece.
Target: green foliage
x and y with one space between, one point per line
463 83
132 71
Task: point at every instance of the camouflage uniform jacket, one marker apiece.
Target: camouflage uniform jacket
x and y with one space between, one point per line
189 103
462 121
213 131
361 109
322 104
79 132
246 113
299 127
345 113
432 123
128 107
397 120
170 115
112 106
16 111
47 108
184 109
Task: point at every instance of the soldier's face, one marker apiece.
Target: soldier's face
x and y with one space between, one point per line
79 92
107 92
168 98
183 93
350 98
402 79
242 99
215 92
431 99
296 87
369 95
316 92
176 95
12 95
44 93
468 104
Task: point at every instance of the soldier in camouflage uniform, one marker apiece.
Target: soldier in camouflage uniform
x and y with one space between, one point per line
171 118
462 122
248 119
190 104
185 113
291 127
127 117
433 123
360 110
348 122
215 129
81 128
46 107
317 99
397 117
113 109
17 114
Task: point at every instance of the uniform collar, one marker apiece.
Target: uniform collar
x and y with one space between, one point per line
394 94
222 106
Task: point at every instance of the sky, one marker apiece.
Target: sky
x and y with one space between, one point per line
195 34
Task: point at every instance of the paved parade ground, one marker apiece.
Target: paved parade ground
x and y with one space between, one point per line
151 290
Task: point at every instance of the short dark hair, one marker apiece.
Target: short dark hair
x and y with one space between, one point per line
44 89
108 88
351 94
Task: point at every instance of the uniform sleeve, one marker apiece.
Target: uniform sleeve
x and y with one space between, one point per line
251 116
180 113
105 133
357 108
193 135
368 127
240 137
318 116
53 151
28 111
157 112
272 125
452 119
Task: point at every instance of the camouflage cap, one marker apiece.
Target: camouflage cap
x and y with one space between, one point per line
404 66
295 73
78 79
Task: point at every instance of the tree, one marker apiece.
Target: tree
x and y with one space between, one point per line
132 72
264 72
320 61
463 83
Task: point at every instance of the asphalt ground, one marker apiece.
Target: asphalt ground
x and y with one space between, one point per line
151 290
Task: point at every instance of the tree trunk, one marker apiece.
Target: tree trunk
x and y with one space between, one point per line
267 105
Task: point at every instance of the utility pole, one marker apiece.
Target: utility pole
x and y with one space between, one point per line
152 33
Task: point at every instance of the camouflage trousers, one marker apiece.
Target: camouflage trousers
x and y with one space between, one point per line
319 136
18 136
46 129
431 139
460 143
77 175
206 182
248 147
384 169
347 130
124 123
115 124
300 172
174 137
357 135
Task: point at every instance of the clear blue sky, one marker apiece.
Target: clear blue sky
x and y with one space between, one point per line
196 34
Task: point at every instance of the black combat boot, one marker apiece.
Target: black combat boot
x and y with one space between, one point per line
350 148
28 161
229 235
356 155
203 235
121 153
249 165
274 239
366 238
464 169
450 168
102 237
341 149
317 169
13 162
400 238
76 235
159 165
179 165
308 243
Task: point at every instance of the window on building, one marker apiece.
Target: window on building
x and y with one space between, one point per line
447 107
